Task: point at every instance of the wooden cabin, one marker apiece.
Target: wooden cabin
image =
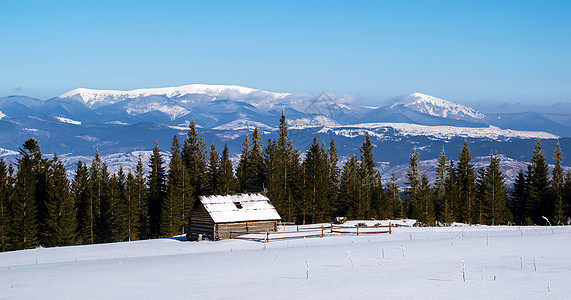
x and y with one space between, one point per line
215 217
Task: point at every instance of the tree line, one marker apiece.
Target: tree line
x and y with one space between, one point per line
40 206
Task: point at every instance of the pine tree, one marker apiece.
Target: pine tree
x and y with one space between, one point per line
24 229
557 187
81 193
60 224
5 203
539 200
441 206
227 181
194 157
156 191
413 190
466 186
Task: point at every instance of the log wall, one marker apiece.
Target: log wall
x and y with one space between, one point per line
200 223
222 230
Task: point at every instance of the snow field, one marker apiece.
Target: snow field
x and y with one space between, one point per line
340 267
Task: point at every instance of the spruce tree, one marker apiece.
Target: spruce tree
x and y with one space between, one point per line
60 224
96 182
81 193
156 191
227 181
441 206
178 194
466 186
393 206
257 162
557 188
132 217
425 202
120 207
282 163
139 195
213 172
243 166
567 197
413 190
334 173
494 194
370 179
315 207
106 197
24 229
251 170
349 190
539 200
194 157
518 199
452 207
5 203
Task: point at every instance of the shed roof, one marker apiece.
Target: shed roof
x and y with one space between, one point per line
239 208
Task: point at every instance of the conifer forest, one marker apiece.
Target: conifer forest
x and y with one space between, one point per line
40 205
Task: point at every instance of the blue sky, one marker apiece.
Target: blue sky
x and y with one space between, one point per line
491 55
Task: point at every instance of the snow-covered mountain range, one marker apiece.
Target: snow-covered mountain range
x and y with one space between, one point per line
117 123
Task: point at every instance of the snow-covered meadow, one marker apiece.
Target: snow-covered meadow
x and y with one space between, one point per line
500 263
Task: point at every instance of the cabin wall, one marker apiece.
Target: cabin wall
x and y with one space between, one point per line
200 223
222 230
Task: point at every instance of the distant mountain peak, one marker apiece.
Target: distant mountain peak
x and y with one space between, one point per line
96 98
438 107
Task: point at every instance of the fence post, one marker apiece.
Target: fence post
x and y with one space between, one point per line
390 228
321 230
267 236
297 227
357 229
331 228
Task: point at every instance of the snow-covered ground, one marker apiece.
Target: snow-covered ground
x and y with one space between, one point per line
500 263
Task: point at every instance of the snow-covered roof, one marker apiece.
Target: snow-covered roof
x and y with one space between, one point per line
239 208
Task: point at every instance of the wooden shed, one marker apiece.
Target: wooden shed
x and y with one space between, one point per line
214 217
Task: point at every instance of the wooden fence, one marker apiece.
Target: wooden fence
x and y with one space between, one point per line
304 232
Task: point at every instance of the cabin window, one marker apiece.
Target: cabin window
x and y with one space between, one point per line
238 205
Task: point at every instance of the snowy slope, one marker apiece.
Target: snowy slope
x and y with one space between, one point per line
382 130
438 107
418 263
